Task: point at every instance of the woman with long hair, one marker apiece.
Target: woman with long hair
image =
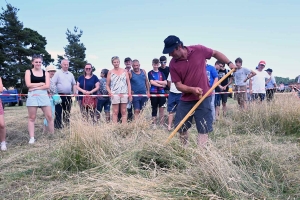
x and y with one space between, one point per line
38 83
118 86
103 102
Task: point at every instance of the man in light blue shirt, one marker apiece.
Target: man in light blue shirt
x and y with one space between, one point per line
270 85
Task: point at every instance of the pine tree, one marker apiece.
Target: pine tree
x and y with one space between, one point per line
18 44
74 52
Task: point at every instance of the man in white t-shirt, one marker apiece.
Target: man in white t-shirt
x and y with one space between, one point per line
173 100
258 82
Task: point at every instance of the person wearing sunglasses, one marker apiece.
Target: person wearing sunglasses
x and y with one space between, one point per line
165 70
87 84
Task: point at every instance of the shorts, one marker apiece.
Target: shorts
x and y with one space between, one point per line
103 103
260 95
38 98
119 98
241 97
157 101
139 102
202 115
1 108
173 101
220 97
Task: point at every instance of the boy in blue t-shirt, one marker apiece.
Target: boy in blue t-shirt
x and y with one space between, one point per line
158 82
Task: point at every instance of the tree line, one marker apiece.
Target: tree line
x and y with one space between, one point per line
19 43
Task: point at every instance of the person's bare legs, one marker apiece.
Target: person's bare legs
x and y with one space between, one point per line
115 110
161 115
202 140
2 129
31 119
124 112
2 133
184 137
48 115
170 120
136 114
224 109
107 116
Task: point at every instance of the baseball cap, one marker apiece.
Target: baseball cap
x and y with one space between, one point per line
269 70
50 68
262 62
127 59
171 42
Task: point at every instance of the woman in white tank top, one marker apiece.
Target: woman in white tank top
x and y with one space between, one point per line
118 86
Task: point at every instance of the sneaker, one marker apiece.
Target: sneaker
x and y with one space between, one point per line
31 141
3 146
164 106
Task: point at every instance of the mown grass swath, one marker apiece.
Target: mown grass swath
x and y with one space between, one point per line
252 154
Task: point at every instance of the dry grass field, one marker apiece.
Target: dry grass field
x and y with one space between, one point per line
253 154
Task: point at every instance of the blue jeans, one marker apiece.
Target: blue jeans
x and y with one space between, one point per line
212 106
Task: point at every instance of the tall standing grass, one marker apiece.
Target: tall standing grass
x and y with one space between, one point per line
246 159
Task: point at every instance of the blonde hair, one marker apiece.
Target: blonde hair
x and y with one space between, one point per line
115 58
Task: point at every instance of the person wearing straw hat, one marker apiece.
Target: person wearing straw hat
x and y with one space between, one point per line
188 72
51 91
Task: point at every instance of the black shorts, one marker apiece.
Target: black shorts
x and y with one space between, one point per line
202 115
220 97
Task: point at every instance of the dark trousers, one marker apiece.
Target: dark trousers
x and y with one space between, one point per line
62 112
270 94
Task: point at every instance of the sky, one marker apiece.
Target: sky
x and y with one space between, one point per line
254 30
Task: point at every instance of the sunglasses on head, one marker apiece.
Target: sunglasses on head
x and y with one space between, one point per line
114 57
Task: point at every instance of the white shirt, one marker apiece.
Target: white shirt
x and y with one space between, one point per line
172 86
259 82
